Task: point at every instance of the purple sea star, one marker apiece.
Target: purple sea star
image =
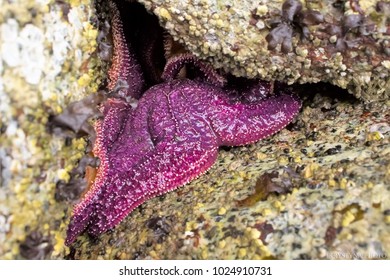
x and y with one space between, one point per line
172 136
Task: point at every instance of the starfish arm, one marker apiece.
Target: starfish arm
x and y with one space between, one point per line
248 91
125 67
208 73
238 124
166 168
78 223
117 114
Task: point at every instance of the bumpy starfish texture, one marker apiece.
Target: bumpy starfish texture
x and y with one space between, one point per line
171 138
206 71
125 74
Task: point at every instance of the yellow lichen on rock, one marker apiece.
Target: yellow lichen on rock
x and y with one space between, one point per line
39 58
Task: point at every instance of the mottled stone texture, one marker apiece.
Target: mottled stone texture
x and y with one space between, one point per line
345 43
46 62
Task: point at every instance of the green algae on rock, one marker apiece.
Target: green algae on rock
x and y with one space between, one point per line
46 62
346 43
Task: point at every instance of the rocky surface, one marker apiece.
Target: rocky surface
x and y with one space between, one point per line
318 189
345 43
46 62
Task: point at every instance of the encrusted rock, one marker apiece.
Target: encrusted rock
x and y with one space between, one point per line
346 43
